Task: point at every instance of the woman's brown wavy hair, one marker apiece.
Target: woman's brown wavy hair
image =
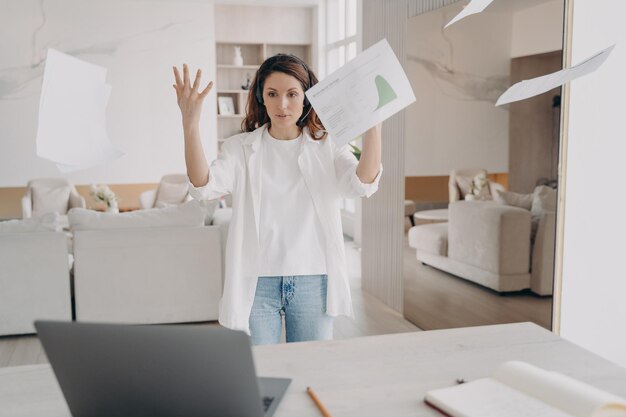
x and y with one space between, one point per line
256 115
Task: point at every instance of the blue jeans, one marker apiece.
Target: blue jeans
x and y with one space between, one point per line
301 300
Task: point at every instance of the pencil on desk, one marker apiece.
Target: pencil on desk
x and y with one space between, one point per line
317 402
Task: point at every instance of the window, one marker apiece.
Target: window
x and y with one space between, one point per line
341 33
342 44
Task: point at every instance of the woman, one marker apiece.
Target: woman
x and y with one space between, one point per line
285 253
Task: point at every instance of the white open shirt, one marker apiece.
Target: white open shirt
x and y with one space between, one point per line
329 174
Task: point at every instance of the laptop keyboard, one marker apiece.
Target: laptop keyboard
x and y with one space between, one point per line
267 402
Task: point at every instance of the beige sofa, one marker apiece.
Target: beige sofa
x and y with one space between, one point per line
149 266
34 275
490 244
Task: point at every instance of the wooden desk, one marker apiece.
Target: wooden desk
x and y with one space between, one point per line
369 376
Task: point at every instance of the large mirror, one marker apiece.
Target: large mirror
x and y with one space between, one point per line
481 180
484 261
228 42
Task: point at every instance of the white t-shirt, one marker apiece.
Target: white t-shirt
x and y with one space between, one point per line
290 233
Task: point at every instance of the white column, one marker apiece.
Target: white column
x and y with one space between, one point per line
593 310
383 213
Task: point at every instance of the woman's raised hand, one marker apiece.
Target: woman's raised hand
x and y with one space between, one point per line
188 97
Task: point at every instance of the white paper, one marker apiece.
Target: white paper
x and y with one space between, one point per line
487 397
519 389
533 87
474 7
570 395
364 92
72 114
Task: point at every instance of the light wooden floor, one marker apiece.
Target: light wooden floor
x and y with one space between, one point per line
372 318
434 299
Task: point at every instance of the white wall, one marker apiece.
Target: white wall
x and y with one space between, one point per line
593 312
538 29
280 25
457 76
138 42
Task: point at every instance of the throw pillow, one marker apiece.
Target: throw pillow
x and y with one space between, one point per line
50 199
49 222
484 194
209 207
222 216
187 214
544 200
464 184
510 198
172 193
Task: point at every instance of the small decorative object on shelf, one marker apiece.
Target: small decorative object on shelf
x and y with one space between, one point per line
102 193
247 86
238 59
226 105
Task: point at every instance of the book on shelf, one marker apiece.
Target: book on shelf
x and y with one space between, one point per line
518 389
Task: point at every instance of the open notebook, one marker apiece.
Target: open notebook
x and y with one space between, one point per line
518 389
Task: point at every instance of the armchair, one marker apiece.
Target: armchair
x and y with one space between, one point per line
34 275
49 195
147 266
173 189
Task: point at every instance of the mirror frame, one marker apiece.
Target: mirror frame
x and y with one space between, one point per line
568 8
565 102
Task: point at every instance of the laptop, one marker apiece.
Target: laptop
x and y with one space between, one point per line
158 370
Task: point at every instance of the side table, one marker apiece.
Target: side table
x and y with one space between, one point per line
431 216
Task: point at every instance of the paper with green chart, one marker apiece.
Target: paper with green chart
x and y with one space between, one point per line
364 92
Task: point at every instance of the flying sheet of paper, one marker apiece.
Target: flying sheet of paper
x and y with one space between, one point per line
533 87
72 114
474 7
364 92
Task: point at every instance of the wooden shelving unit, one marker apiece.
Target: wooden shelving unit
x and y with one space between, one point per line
260 32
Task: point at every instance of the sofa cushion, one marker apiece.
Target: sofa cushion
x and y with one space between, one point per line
490 236
510 198
209 207
48 199
485 193
544 199
465 184
222 216
172 193
431 238
49 222
187 214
